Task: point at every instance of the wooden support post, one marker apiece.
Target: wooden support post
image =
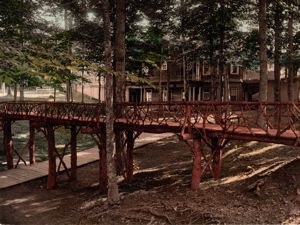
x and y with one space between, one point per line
73 153
103 179
51 183
197 170
129 163
31 143
8 146
217 157
119 139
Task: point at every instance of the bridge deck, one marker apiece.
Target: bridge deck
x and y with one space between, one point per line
214 123
24 173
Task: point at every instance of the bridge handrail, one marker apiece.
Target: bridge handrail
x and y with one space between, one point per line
278 117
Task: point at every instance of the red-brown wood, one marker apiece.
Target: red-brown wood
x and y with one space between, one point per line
51 182
31 143
103 179
217 157
129 163
102 171
197 170
223 120
8 145
73 153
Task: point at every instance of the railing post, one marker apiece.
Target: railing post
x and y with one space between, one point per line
31 143
197 170
217 157
51 183
129 163
103 178
188 117
278 117
8 146
73 153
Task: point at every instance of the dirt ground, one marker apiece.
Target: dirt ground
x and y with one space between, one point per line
260 184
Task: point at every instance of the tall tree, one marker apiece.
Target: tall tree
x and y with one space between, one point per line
113 191
119 49
263 84
120 83
290 53
278 18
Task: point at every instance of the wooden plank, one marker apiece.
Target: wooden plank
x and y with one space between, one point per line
24 173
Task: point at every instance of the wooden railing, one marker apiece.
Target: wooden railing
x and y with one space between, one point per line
270 118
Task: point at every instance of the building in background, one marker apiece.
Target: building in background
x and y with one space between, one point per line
198 83
243 85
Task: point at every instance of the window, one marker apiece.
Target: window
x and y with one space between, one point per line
206 95
148 95
233 94
234 69
206 68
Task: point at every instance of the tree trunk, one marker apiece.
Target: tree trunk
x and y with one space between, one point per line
99 90
290 56
113 191
82 93
54 95
277 51
9 90
22 92
263 85
160 81
222 61
119 50
15 91
68 25
183 14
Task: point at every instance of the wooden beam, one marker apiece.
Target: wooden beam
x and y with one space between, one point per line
197 170
73 153
8 145
31 143
129 159
51 183
216 152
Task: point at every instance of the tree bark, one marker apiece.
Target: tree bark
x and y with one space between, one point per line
99 90
119 50
277 51
15 91
22 91
9 90
54 95
222 61
68 25
31 143
113 191
290 56
263 85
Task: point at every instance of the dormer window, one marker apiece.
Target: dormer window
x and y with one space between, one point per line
206 69
234 69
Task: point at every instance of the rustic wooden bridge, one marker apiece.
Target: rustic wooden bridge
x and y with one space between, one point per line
213 123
